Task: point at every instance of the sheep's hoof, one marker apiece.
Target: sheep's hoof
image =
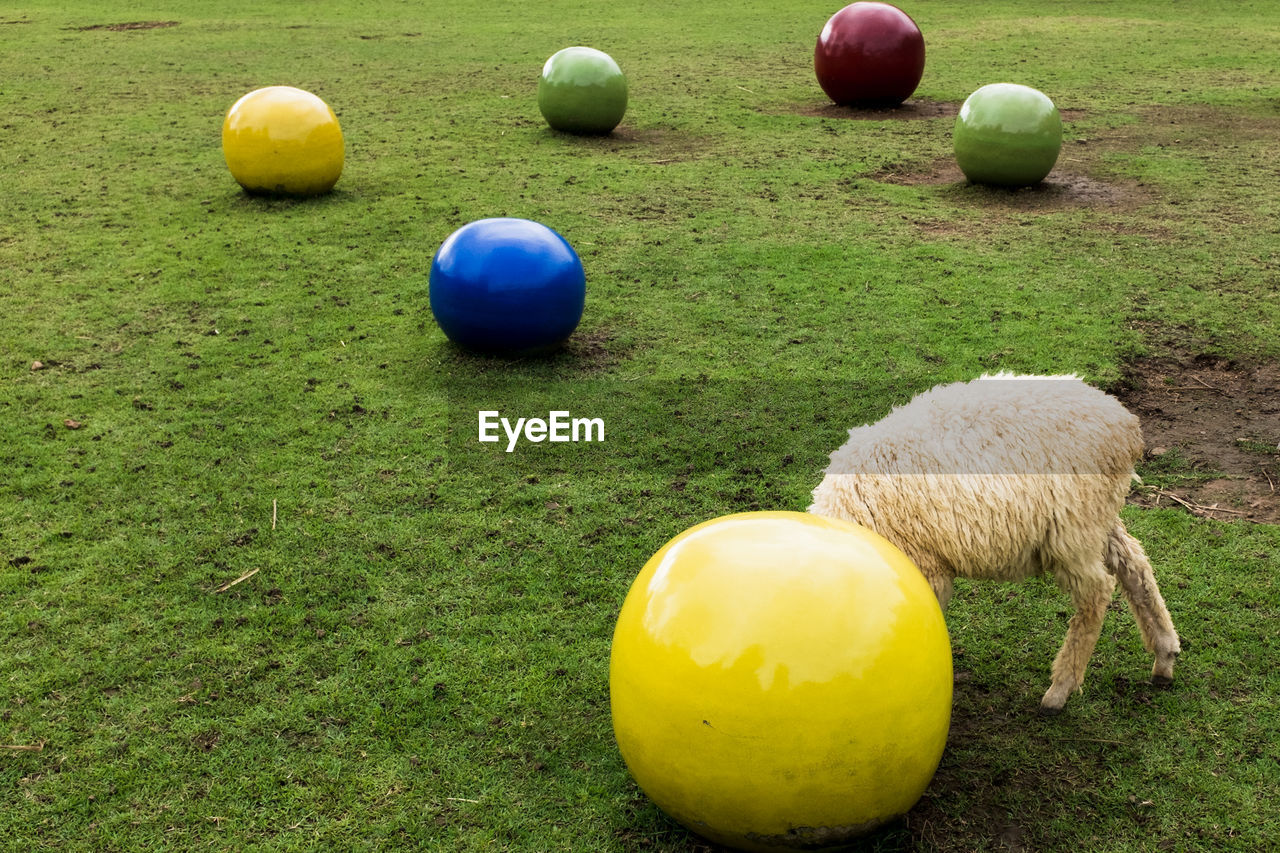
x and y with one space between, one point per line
1049 711
1161 681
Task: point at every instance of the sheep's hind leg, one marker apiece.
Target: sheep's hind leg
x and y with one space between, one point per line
935 571
1091 591
1126 559
942 588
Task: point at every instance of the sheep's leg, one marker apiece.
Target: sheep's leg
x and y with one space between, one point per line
935 571
1128 562
942 588
1091 591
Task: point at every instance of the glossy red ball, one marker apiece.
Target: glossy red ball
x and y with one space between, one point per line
869 55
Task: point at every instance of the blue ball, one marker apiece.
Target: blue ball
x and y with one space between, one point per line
507 286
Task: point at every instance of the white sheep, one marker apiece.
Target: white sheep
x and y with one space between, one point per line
1003 478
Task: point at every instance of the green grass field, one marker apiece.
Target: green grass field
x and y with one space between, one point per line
421 659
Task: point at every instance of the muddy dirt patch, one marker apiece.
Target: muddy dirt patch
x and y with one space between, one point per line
1196 126
132 25
915 109
586 354
1216 422
654 145
1065 188
594 351
919 108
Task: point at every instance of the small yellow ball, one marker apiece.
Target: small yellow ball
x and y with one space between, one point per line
780 680
283 141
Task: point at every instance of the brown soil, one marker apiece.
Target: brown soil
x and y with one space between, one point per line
1066 187
1196 126
916 109
1223 418
587 353
653 145
132 25
1075 181
920 108
593 351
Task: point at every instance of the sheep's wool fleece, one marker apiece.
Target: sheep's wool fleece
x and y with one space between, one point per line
999 477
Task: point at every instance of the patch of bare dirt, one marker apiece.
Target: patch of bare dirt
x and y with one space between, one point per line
593 351
132 25
1064 188
915 109
1223 419
586 353
1193 125
1075 181
920 108
654 145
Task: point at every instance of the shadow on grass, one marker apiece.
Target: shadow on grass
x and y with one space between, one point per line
587 353
244 200
657 145
912 109
1005 778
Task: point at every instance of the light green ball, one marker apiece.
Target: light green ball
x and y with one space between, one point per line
582 90
1007 135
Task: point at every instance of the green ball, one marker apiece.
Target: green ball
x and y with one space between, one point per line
1007 135
582 90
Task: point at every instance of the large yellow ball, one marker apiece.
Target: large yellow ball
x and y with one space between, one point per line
283 141
781 680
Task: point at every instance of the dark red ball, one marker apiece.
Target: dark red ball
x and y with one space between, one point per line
869 55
